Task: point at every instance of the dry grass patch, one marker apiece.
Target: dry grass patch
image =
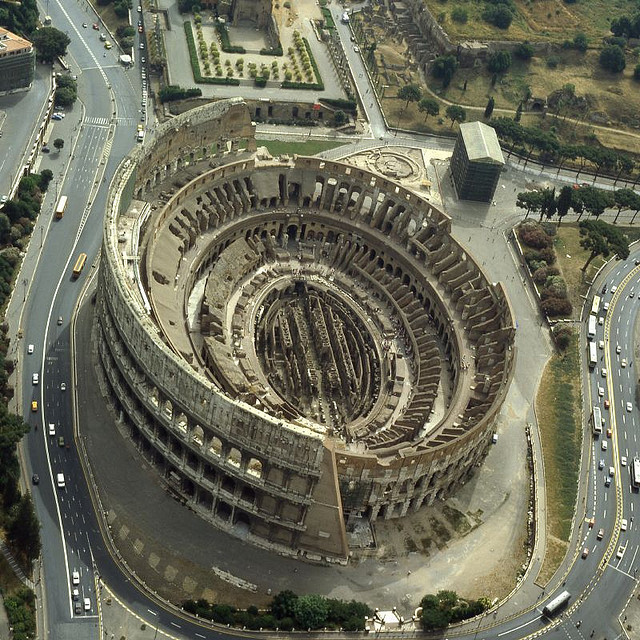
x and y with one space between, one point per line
571 259
539 20
554 554
558 407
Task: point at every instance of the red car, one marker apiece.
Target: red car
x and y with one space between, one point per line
95 26
606 404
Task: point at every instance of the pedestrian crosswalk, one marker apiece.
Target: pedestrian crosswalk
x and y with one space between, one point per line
105 122
99 121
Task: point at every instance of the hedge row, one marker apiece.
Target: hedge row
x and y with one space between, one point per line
225 43
195 65
340 103
274 51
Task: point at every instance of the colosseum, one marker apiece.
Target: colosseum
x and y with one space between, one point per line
294 344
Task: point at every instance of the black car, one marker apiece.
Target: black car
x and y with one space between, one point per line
35 478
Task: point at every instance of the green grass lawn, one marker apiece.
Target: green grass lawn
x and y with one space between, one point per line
308 148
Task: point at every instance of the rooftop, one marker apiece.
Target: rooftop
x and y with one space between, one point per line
11 42
481 142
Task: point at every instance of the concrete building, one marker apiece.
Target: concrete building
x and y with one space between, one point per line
476 162
296 345
17 63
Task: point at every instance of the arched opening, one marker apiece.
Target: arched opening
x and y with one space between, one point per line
223 511
234 458
254 468
215 448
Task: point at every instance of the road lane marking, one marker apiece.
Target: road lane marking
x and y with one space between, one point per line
504 633
153 613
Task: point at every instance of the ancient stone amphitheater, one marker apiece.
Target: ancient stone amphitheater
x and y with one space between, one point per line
297 345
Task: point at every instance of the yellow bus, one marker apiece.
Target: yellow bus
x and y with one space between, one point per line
79 265
61 208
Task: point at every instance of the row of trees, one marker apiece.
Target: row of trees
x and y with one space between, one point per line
550 149
120 7
446 607
584 199
428 105
66 91
287 611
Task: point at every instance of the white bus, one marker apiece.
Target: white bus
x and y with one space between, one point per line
595 307
593 355
591 328
635 474
556 604
596 418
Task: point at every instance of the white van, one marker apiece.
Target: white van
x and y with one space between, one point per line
60 480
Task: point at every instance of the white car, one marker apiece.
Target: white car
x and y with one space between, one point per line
87 604
603 446
63 386
52 429
35 378
623 363
601 344
623 461
629 407
601 464
614 288
620 552
75 577
75 594
601 391
603 372
60 483
623 525
618 349
30 349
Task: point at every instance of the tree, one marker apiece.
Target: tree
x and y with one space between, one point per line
602 239
340 118
595 201
580 42
311 611
530 201
283 603
564 202
612 58
24 530
499 61
50 43
410 93
524 51
518 115
58 143
456 114
459 15
443 68
624 199
498 15
488 110
428 106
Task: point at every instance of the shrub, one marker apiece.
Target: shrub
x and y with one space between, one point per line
540 276
498 15
459 15
553 62
562 336
524 51
535 237
556 307
612 58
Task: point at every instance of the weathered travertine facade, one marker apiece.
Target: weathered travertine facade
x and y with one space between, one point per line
296 342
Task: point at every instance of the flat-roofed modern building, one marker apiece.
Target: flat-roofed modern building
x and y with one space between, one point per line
17 62
476 162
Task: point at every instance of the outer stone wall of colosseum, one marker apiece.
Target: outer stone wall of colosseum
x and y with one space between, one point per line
237 463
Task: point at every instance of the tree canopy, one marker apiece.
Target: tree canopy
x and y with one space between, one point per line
456 114
612 58
602 239
50 43
443 68
499 61
428 106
